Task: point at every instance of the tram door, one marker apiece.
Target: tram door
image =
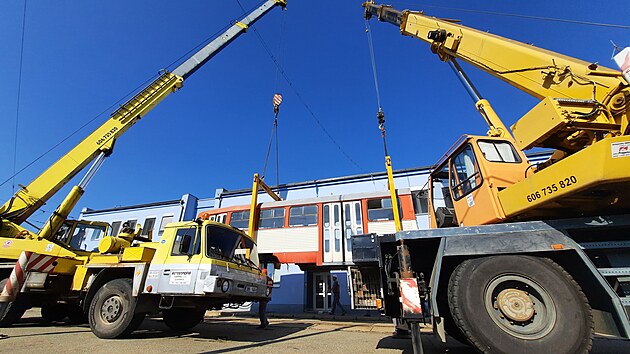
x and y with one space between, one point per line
353 225
332 230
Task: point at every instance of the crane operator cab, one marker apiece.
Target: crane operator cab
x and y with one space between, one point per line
465 184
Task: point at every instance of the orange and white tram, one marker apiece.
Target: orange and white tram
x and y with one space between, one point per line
318 231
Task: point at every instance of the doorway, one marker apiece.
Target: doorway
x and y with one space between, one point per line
322 298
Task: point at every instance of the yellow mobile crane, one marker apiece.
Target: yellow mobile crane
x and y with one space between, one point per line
522 258
56 268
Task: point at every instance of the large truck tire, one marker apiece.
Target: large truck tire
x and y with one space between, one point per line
112 309
181 319
13 310
520 304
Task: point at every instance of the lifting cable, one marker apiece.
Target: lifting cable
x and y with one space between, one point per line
277 100
295 91
380 115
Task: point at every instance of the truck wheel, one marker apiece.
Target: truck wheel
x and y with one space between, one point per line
181 319
14 309
111 312
520 304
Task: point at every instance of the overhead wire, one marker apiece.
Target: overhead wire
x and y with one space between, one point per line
541 18
106 110
17 106
301 99
77 130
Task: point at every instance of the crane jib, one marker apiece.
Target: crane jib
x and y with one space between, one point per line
206 53
384 13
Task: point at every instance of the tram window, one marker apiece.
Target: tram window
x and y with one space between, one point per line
115 228
465 175
240 219
498 151
303 215
420 201
381 209
271 218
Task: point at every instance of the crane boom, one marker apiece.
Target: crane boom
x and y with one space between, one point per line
586 101
101 141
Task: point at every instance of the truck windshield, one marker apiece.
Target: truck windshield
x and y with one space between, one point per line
228 244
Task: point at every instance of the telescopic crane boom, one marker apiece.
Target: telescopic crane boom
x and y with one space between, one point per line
100 142
586 101
583 114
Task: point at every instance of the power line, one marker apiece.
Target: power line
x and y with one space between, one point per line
76 131
108 109
541 18
17 106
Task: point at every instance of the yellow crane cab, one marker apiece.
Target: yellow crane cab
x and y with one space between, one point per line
465 183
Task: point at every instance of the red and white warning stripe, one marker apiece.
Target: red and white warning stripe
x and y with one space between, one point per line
28 261
41 263
410 297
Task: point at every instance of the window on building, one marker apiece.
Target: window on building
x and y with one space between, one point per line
165 220
271 218
240 219
381 209
186 240
420 201
303 215
116 228
465 175
498 151
148 226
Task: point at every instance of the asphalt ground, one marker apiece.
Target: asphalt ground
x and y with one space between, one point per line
219 333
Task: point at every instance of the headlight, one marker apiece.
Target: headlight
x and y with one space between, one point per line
225 286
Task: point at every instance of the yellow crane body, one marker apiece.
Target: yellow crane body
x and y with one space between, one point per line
58 267
588 182
521 257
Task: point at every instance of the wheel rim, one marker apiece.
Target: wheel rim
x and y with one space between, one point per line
520 306
111 309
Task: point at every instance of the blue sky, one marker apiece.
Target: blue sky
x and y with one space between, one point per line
80 57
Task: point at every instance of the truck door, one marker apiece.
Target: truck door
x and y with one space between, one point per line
181 267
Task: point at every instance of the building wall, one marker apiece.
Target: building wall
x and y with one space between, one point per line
176 210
